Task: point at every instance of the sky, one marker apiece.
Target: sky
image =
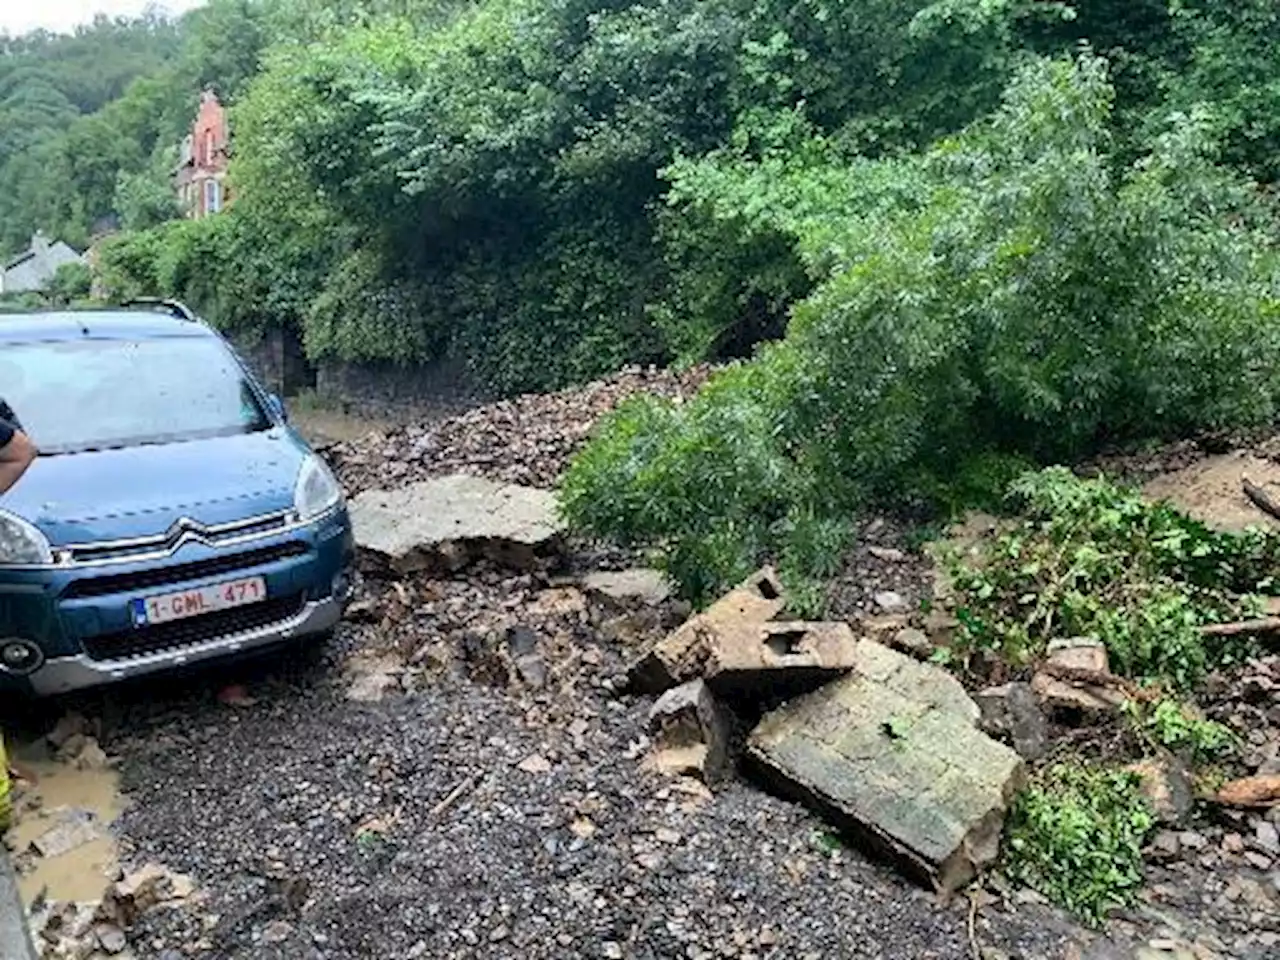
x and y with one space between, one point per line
20 16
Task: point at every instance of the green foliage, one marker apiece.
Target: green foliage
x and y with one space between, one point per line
1075 835
1093 559
1010 294
70 282
1175 726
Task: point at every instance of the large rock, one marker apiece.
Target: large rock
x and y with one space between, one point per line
448 522
683 654
892 755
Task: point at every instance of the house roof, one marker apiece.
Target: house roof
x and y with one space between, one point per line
20 259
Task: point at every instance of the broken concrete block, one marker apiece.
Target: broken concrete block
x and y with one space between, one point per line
892 755
1069 696
448 522
781 659
1079 653
1011 713
690 733
682 654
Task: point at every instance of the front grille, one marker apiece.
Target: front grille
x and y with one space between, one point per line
136 582
128 644
122 550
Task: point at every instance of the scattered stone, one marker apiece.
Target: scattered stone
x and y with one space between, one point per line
1192 840
1233 843
1168 787
235 695
1165 845
1267 836
649 587
913 641
941 628
373 676
92 756
890 602
1011 713
682 655
110 938
887 554
1259 791
68 726
689 732
535 764
277 931
532 670
893 753
1079 653
449 522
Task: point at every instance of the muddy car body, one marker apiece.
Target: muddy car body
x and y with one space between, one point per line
173 515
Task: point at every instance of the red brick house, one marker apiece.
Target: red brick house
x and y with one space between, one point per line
201 177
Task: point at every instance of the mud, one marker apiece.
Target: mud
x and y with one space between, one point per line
63 791
1211 492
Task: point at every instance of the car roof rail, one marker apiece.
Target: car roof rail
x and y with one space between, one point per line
175 308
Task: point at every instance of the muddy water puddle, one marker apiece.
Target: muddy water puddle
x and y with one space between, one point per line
62 836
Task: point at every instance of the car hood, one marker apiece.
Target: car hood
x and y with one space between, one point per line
142 491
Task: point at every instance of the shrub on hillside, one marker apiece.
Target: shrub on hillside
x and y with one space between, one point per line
1015 293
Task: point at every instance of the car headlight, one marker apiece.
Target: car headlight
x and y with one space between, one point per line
21 543
317 491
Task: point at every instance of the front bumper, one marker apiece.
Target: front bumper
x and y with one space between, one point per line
80 616
66 674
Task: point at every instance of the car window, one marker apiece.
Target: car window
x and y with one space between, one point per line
98 394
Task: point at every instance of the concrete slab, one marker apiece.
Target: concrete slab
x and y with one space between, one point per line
448 522
891 754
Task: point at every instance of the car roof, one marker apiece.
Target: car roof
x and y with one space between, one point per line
96 325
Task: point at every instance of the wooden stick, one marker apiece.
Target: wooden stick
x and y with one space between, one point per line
454 794
1264 625
1261 499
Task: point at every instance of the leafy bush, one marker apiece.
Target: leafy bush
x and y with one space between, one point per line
1171 725
1011 293
1075 835
1093 559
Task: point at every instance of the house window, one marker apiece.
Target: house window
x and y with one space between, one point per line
208 148
212 196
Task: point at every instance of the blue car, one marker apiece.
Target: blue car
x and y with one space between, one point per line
172 517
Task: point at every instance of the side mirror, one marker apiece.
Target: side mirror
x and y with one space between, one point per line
278 408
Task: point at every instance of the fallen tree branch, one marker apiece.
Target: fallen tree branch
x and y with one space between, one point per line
1261 499
1263 625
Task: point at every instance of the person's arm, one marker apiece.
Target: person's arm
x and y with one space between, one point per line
17 453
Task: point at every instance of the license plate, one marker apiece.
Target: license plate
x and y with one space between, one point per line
193 603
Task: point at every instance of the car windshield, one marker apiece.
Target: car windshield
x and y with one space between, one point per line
81 395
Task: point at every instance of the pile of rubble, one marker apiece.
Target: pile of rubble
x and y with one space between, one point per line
97 930
886 747
848 717
526 441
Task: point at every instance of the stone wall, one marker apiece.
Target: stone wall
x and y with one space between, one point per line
277 360
378 389
388 389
